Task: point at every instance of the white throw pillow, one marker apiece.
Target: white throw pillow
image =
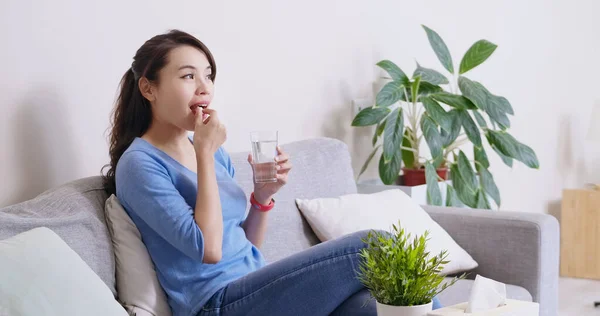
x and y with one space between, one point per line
41 275
137 285
331 218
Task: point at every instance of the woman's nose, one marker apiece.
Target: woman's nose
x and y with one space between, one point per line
202 88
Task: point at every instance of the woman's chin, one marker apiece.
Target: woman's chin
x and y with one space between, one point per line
190 127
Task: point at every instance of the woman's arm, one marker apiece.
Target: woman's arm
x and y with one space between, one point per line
209 135
255 224
145 188
207 212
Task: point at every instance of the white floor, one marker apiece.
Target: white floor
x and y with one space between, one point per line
577 297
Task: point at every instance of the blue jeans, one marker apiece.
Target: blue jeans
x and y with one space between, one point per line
321 280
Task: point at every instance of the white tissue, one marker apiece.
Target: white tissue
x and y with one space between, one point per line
486 294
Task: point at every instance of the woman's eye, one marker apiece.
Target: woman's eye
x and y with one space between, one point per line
209 77
188 76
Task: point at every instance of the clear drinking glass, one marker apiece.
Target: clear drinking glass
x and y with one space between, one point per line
264 151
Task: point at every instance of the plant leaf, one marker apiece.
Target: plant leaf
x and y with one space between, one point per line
440 49
477 54
395 72
432 136
473 91
482 201
481 157
465 195
480 119
368 161
426 88
498 108
489 185
455 126
378 131
454 100
370 116
507 160
437 113
466 172
503 104
392 136
451 198
471 129
434 195
484 100
509 146
430 75
415 88
391 93
527 156
407 156
389 171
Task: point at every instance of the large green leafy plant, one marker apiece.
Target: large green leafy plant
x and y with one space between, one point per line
399 271
447 114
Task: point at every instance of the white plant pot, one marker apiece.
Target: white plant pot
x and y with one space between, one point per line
389 310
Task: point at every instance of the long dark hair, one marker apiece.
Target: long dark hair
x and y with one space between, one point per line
132 114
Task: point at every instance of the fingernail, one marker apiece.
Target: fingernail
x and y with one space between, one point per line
276 158
278 167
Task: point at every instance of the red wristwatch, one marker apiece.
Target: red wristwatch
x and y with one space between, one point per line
260 207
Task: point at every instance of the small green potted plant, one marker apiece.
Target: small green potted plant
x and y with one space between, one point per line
400 274
446 113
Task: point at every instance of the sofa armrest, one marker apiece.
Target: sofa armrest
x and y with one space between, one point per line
511 247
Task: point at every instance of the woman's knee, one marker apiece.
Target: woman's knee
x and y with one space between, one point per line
360 238
365 234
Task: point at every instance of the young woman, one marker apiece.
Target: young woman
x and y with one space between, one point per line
181 194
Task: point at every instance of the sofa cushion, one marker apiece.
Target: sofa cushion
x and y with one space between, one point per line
321 168
461 290
41 275
137 284
332 218
75 211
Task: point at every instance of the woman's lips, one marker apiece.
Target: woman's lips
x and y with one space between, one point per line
195 108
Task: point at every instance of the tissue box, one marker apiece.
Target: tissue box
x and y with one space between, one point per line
512 308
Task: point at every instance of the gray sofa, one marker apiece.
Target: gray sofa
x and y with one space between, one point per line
519 249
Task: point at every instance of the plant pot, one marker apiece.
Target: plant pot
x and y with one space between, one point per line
389 310
413 177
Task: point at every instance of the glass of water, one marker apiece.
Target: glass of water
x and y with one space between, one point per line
264 151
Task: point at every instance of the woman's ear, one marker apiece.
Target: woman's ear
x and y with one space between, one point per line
147 89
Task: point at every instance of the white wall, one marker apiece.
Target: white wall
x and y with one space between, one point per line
294 66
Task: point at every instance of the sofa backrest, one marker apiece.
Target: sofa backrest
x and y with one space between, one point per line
321 168
75 210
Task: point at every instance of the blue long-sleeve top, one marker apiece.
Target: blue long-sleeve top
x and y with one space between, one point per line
159 194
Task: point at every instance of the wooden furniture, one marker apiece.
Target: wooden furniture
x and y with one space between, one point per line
580 234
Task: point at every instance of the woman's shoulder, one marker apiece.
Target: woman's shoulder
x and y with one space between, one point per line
139 158
139 166
138 150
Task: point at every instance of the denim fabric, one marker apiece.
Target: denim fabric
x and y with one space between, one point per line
321 280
